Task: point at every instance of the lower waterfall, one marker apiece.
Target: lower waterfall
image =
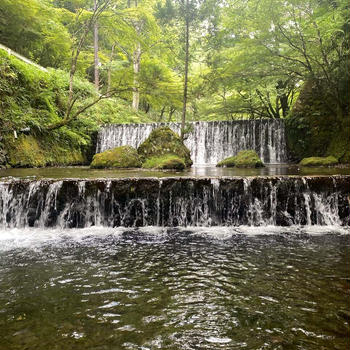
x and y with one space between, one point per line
209 142
234 201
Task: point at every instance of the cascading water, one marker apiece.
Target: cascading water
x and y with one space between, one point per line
255 201
209 142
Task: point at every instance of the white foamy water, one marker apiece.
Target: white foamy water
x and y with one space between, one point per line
35 238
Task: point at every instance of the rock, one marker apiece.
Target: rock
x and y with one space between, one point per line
227 162
168 161
163 141
243 159
119 157
319 161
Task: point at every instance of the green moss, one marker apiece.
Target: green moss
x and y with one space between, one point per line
227 162
119 157
167 161
33 99
314 129
243 159
29 151
339 145
164 141
319 161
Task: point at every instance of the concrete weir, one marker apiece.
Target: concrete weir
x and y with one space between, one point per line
174 201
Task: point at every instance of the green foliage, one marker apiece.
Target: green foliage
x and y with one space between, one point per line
243 159
119 157
319 161
33 29
339 145
31 98
166 161
163 141
313 129
248 59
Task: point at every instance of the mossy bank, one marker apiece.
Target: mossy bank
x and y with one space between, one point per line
33 99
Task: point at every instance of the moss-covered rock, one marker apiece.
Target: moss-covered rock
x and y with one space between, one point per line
119 157
163 141
167 161
243 159
248 159
319 161
227 162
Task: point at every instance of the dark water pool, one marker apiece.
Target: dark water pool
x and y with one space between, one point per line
217 288
197 171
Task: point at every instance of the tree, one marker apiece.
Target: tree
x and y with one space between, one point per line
33 29
303 40
96 60
80 37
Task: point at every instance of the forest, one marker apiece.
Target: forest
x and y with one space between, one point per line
138 61
174 174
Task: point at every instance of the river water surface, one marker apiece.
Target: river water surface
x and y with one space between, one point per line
195 171
160 288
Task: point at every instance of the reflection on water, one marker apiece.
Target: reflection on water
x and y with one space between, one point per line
86 172
218 288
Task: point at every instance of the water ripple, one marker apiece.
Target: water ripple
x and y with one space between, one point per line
188 290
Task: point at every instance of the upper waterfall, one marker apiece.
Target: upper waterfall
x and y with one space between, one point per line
209 142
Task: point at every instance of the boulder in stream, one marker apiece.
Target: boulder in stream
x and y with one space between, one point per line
163 143
319 161
167 161
243 159
119 157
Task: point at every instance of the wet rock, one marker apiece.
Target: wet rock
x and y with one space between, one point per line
243 159
319 161
119 157
167 161
164 142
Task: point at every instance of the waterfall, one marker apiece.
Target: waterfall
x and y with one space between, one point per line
209 142
231 201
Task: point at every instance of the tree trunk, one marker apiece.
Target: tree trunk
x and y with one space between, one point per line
171 112
161 114
283 97
109 72
135 90
96 61
187 47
